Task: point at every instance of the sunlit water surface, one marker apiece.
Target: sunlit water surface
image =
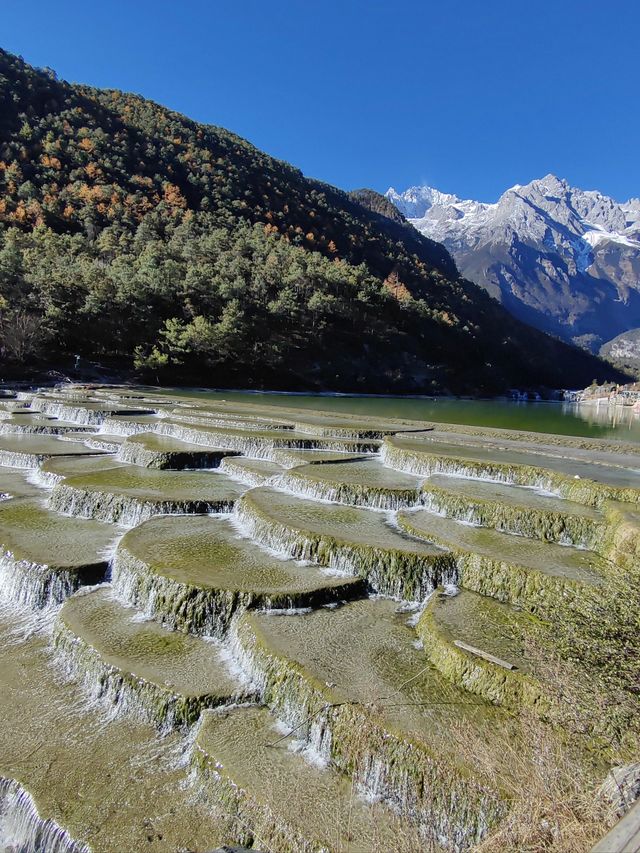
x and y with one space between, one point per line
561 418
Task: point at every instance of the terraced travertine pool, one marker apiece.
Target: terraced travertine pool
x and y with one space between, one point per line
296 630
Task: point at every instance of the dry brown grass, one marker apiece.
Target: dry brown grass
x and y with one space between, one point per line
553 790
552 773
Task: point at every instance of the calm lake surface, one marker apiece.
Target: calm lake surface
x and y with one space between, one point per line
561 418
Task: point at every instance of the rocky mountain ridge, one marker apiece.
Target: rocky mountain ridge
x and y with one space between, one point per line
565 260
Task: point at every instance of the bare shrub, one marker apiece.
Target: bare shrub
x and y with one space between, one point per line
20 335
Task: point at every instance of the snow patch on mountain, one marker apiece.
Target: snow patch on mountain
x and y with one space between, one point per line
549 201
599 235
561 258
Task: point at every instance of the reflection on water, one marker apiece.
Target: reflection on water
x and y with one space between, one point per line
563 418
618 418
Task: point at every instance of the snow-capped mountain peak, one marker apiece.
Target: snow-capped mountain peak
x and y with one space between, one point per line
562 258
415 201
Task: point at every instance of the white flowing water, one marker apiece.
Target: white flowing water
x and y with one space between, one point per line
33 586
22 830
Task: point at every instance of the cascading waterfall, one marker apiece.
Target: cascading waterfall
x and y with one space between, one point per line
15 459
371 497
389 757
68 412
104 685
252 822
447 807
297 708
399 574
229 423
242 474
135 453
253 446
125 510
23 830
96 442
423 464
118 692
376 785
11 407
79 414
204 612
290 458
34 586
258 446
355 433
44 479
10 428
547 525
507 580
558 484
116 426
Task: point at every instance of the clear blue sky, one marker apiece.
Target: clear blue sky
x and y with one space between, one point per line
470 96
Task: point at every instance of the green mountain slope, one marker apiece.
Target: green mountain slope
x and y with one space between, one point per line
130 234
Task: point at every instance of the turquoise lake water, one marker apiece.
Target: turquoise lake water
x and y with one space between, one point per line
561 418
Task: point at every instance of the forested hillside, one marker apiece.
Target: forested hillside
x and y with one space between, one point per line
132 236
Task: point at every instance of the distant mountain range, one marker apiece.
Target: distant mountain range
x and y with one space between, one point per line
563 259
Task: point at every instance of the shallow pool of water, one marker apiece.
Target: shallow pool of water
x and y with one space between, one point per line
561 418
